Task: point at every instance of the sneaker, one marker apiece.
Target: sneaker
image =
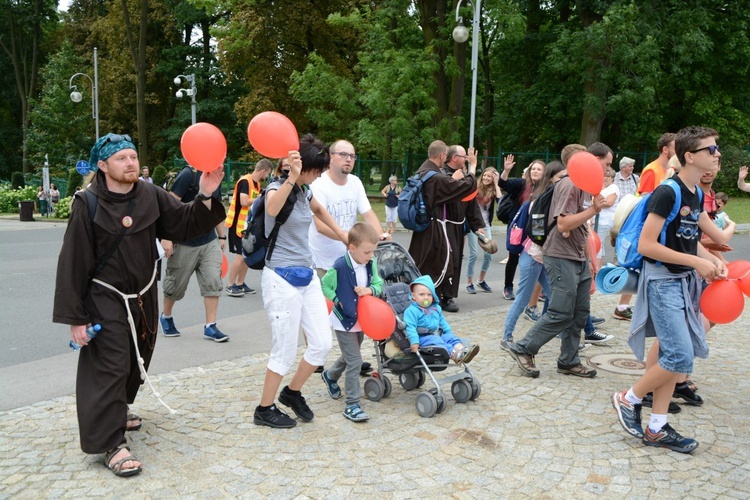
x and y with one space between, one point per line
669 438
365 370
470 289
450 306
578 370
246 289
598 338
505 344
273 417
297 403
484 286
684 391
467 354
648 401
333 388
583 346
167 327
625 315
355 413
628 414
542 297
320 369
235 291
525 363
597 320
508 293
212 332
531 313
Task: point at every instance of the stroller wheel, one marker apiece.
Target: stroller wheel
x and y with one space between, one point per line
409 380
374 389
461 390
422 378
387 386
426 404
476 389
440 403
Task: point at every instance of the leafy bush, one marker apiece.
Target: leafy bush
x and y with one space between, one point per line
17 180
62 209
9 197
159 175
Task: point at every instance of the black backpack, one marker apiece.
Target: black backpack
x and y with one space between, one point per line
539 225
256 246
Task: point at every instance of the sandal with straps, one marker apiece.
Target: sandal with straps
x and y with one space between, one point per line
116 467
132 417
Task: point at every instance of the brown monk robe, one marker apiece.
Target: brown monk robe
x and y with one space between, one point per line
108 376
443 194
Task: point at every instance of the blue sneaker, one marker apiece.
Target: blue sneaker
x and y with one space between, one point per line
531 313
669 438
212 332
246 288
167 327
628 414
333 388
355 413
484 286
470 289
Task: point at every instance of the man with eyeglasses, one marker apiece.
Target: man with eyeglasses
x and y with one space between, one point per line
656 171
344 197
106 275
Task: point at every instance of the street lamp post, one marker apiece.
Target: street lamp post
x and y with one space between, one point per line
191 91
460 35
76 96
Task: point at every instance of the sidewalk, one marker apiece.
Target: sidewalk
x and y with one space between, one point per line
552 437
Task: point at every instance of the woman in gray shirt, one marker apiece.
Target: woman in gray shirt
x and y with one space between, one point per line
292 295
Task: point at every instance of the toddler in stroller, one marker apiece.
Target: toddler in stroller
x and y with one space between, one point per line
414 367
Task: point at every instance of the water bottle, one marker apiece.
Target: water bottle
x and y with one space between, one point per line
90 332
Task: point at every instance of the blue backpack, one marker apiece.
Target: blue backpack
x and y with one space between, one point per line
412 212
517 231
626 246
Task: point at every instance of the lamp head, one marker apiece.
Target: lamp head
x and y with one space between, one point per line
177 80
460 32
75 96
179 94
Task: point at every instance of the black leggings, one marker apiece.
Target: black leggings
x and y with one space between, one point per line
510 269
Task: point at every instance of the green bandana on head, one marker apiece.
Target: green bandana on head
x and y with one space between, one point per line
107 146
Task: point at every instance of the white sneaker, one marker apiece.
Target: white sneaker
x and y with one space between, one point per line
598 338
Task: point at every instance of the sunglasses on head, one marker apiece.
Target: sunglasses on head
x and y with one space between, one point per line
712 149
115 138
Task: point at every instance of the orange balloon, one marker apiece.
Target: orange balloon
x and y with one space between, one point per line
203 146
722 301
375 317
272 134
224 265
471 196
738 269
597 241
329 305
586 172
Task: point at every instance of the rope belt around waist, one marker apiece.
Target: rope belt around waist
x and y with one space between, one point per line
442 223
126 298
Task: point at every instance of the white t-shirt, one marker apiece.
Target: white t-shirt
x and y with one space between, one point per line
343 203
607 215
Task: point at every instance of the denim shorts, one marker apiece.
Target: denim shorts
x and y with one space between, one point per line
666 304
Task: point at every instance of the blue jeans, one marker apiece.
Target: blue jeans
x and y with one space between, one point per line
531 271
473 242
666 299
568 308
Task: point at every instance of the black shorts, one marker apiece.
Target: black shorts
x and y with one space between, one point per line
235 242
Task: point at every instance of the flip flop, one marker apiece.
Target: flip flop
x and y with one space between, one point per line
116 467
133 418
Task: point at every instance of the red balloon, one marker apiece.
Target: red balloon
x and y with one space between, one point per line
597 241
224 265
272 134
204 146
586 172
744 285
738 269
375 317
329 305
470 197
722 301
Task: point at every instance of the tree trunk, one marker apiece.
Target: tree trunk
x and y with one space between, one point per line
432 19
138 53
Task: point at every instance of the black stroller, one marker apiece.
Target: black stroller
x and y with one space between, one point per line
398 269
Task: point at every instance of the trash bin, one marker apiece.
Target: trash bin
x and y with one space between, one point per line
26 209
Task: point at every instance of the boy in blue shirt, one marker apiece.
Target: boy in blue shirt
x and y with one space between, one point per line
669 292
426 325
353 275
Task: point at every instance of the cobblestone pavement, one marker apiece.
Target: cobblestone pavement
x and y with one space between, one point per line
552 437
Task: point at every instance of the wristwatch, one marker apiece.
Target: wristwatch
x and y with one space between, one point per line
201 197
222 237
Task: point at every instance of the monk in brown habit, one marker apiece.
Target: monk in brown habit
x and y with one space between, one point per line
438 249
106 275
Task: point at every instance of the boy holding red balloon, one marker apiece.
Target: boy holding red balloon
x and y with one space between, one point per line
668 297
353 275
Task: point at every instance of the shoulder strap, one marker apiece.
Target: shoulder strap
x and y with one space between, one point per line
281 218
